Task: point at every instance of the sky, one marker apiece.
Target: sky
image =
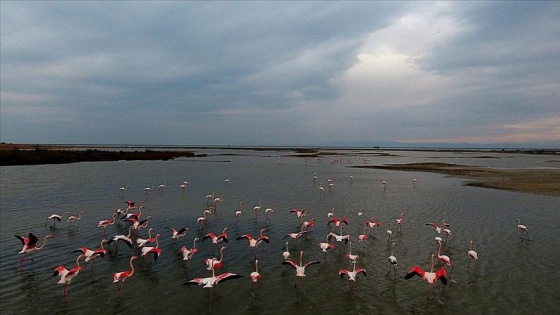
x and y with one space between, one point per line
280 73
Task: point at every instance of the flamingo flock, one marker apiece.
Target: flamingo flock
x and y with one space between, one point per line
338 237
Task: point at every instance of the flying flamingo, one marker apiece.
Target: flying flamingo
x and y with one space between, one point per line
429 277
254 242
121 237
286 254
105 223
137 224
30 245
212 263
392 260
324 246
472 256
300 269
66 275
216 239
177 234
123 275
90 254
141 242
523 229
352 274
55 217
156 251
188 253
73 218
209 282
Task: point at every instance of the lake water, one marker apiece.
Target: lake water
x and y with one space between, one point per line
514 276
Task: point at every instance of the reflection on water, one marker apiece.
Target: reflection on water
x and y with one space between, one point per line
502 282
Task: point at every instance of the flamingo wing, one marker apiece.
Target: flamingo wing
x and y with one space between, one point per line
21 238
197 281
32 240
264 239
415 271
247 236
341 273
227 276
362 270
210 235
441 275
311 263
291 263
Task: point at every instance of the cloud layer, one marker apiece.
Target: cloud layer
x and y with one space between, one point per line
280 73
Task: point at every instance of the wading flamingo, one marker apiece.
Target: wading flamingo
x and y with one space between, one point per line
123 275
238 212
268 211
209 282
286 254
30 245
141 242
338 238
105 223
523 228
214 262
472 256
74 218
445 260
177 234
156 251
352 274
392 260
439 228
90 254
66 275
216 239
148 190
55 217
300 269
399 220
429 277
351 256
121 237
325 246
188 253
363 237
161 187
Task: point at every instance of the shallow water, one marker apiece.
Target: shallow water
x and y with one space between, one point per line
513 276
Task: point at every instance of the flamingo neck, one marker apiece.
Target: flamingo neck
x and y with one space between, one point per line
301 258
157 242
131 266
44 242
432 268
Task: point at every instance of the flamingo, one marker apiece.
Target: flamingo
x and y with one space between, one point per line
339 238
238 212
136 215
216 239
371 224
399 222
444 259
141 242
254 242
472 256
321 190
257 208
337 222
122 190
392 259
201 220
217 200
352 274
123 275
188 253
161 187
330 214
306 224
414 181
30 245
429 277
105 223
286 254
183 186
136 224
523 229
268 211
300 213
148 190
295 236
73 218
55 217
363 237
156 251
212 263
324 246
389 232
384 185
66 275
121 237
209 282
226 181
177 234
300 269
92 254
351 256
255 275
439 228
210 197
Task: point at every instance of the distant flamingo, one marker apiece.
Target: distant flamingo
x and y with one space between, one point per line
371 224
523 228
66 275
122 190
156 251
188 253
257 208
238 212
389 233
30 245
184 186
299 213
255 275
105 223
472 256
74 218
286 254
321 190
148 190
209 282
414 181
141 242
306 224
331 214
202 220
268 211
214 262
352 274
55 217
300 269
162 187
399 220
177 234
384 185
295 236
363 237
392 259
210 197
216 239
123 275
429 277
338 222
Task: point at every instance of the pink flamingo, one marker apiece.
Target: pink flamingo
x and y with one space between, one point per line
121 237
209 282
445 259
202 220
337 222
177 234
66 275
351 256
188 253
74 218
30 245
254 242
306 224
300 269
371 224
325 246
286 254
363 237
255 275
217 238
90 254
399 220
430 277
105 223
339 238
214 262
300 213
472 256
439 228
141 242
123 275
295 236
156 251
352 274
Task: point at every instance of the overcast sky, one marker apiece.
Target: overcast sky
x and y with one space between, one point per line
280 73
